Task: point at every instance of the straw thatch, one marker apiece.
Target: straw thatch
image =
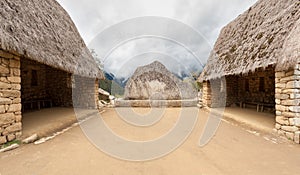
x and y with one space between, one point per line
266 34
43 31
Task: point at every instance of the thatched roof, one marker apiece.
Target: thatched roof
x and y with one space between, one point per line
266 34
43 31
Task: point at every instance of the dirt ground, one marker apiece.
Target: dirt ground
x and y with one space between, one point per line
235 149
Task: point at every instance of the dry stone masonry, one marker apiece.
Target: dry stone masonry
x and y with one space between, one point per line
288 103
39 83
10 97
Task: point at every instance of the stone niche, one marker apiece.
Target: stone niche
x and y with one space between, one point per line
287 100
10 97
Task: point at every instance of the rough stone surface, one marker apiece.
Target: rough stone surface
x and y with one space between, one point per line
13 128
11 137
290 128
2 139
6 118
290 135
155 82
297 137
282 120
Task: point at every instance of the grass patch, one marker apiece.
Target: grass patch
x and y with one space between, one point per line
11 143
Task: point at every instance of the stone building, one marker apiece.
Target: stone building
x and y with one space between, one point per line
256 61
43 60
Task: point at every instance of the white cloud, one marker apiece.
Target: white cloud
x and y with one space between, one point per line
206 16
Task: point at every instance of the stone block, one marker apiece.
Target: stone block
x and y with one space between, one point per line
278 113
290 135
295 108
281 108
281 132
277 126
297 137
11 137
282 96
4 85
295 121
294 96
14 79
2 109
16 86
18 134
18 118
16 100
14 63
6 118
291 91
4 54
13 128
4 70
4 80
290 128
4 101
15 72
294 102
2 140
278 91
290 78
279 74
290 114
280 85
291 120
11 93
289 73
15 108
293 85
282 120
277 101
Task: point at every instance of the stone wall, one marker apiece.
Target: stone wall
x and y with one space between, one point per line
29 91
85 92
59 87
10 97
254 93
49 83
232 89
214 94
206 94
288 103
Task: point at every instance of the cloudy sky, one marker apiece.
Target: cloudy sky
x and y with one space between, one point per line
206 17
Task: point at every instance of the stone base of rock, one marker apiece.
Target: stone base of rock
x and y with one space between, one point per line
156 103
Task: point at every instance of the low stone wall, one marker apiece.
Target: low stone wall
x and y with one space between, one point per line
10 97
156 103
288 103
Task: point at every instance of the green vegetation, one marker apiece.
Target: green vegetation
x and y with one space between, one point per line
11 143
